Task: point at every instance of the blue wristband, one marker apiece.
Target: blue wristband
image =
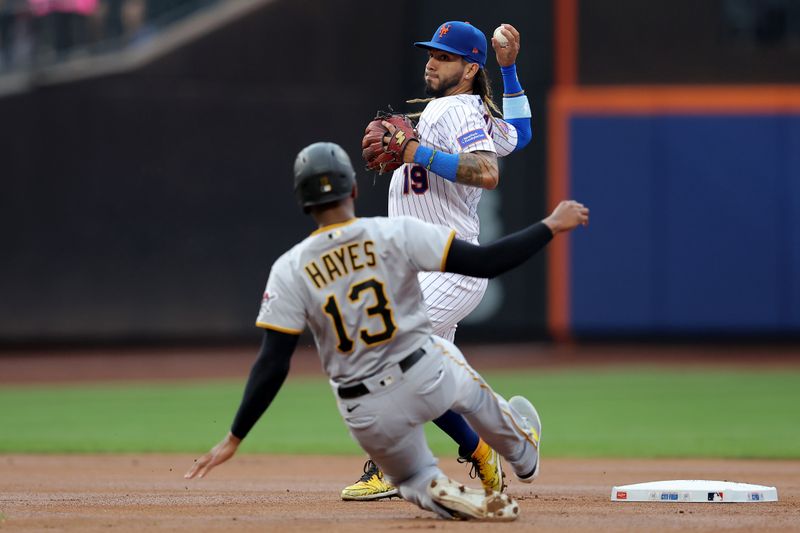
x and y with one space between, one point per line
423 156
511 83
441 163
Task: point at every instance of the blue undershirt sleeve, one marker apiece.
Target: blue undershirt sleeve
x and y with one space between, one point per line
511 83
524 133
516 109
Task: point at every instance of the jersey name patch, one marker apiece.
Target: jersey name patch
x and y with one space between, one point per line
471 137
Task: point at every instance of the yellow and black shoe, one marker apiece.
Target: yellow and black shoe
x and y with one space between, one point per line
486 466
371 486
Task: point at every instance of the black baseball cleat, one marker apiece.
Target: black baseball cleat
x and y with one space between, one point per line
371 486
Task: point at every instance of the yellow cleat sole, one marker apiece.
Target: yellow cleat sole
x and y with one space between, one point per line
370 497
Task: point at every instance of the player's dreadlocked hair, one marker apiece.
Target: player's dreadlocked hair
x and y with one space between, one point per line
481 86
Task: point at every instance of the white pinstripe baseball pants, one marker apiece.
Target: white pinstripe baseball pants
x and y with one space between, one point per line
449 298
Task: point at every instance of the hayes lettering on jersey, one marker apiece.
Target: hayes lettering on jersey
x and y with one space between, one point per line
341 262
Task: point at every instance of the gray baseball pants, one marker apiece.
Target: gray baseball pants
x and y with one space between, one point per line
388 421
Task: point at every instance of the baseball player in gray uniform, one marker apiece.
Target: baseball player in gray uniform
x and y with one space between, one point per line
354 283
445 172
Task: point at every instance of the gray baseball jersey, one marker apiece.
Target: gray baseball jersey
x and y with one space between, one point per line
355 285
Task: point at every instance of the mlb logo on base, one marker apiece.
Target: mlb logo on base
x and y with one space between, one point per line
694 491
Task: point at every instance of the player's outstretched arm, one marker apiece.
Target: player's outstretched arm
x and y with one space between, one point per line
488 261
266 378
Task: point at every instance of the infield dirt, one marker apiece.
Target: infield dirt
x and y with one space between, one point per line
301 493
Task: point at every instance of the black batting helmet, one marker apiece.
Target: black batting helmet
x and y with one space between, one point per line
322 174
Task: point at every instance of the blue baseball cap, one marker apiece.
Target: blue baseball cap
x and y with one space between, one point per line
460 38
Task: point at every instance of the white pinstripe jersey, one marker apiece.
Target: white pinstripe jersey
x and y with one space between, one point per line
452 124
355 284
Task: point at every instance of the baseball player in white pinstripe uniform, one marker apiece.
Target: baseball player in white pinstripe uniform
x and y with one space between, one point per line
458 121
445 172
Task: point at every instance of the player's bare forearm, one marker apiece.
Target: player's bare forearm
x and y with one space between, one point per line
478 169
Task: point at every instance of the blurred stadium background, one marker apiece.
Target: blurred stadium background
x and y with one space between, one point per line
147 149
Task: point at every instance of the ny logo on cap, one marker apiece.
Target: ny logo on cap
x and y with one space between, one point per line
443 30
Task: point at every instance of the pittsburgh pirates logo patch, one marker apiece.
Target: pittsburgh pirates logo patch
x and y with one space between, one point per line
266 301
325 184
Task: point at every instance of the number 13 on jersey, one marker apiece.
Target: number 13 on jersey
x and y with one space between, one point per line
381 310
415 179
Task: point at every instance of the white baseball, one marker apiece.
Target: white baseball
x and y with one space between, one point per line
500 38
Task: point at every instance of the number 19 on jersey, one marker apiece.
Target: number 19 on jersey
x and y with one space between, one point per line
415 179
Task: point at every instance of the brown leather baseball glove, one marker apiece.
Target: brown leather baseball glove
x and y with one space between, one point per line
382 148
